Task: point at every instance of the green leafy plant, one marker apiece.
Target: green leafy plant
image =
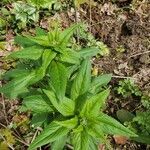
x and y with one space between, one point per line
80 119
2 23
145 100
6 20
37 55
138 122
91 41
56 85
39 2
127 88
46 4
25 13
141 121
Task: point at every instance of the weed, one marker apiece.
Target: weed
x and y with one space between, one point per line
138 123
56 85
25 13
127 88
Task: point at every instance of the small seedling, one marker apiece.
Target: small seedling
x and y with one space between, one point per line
127 88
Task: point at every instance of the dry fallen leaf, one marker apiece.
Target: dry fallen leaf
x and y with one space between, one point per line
101 147
120 139
95 71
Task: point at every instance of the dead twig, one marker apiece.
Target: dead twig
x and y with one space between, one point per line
137 108
134 55
19 139
35 134
26 144
4 107
123 77
3 125
69 146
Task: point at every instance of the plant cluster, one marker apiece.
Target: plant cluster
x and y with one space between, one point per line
55 83
91 41
140 121
127 88
25 13
56 4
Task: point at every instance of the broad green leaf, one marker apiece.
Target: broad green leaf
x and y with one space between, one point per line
22 17
47 57
24 13
15 73
70 56
53 99
93 105
37 104
81 140
24 41
40 31
70 124
40 40
71 69
124 115
58 78
78 129
111 126
65 107
17 86
142 139
93 135
82 81
93 143
88 52
99 81
39 118
39 74
39 3
34 16
96 132
59 144
98 136
80 101
66 34
32 53
14 93
51 133
53 37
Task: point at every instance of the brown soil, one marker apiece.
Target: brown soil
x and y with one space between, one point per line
126 28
